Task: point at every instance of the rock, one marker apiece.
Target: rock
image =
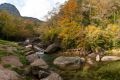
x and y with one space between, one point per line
37 49
32 57
10 9
110 58
12 60
53 76
6 74
39 63
69 62
29 53
8 48
43 74
28 46
97 58
92 55
37 72
52 48
90 61
42 45
35 40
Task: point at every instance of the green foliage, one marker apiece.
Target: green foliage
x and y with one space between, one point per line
12 27
91 38
109 71
50 34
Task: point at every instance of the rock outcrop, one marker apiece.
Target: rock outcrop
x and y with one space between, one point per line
10 9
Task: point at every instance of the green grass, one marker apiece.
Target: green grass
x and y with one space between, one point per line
103 71
19 52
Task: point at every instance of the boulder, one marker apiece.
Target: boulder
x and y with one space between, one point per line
32 57
39 63
52 48
42 45
53 76
43 74
69 62
11 60
6 74
37 72
110 58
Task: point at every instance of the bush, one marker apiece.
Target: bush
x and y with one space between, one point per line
90 38
96 39
50 34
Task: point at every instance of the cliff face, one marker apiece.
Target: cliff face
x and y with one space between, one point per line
10 8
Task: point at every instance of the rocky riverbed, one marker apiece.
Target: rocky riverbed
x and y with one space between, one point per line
32 60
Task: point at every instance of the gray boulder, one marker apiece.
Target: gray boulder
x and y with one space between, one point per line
39 63
52 48
32 57
69 62
6 74
53 76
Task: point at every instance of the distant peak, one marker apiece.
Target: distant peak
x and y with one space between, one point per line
10 8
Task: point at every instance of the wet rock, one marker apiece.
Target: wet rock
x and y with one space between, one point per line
12 60
110 58
52 48
32 57
69 62
39 63
53 76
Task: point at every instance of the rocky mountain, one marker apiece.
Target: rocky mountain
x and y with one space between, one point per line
14 11
10 8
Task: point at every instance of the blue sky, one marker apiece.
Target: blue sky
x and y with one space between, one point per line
34 8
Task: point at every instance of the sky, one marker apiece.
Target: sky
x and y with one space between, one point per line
35 8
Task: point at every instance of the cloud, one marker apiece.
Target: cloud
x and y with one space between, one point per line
35 8
2 1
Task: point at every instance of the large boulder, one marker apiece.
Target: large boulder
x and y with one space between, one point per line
32 57
110 58
6 74
53 76
69 62
52 48
39 63
11 60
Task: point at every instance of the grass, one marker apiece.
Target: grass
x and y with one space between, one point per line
18 52
103 71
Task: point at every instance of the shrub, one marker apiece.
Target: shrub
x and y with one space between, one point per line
50 34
